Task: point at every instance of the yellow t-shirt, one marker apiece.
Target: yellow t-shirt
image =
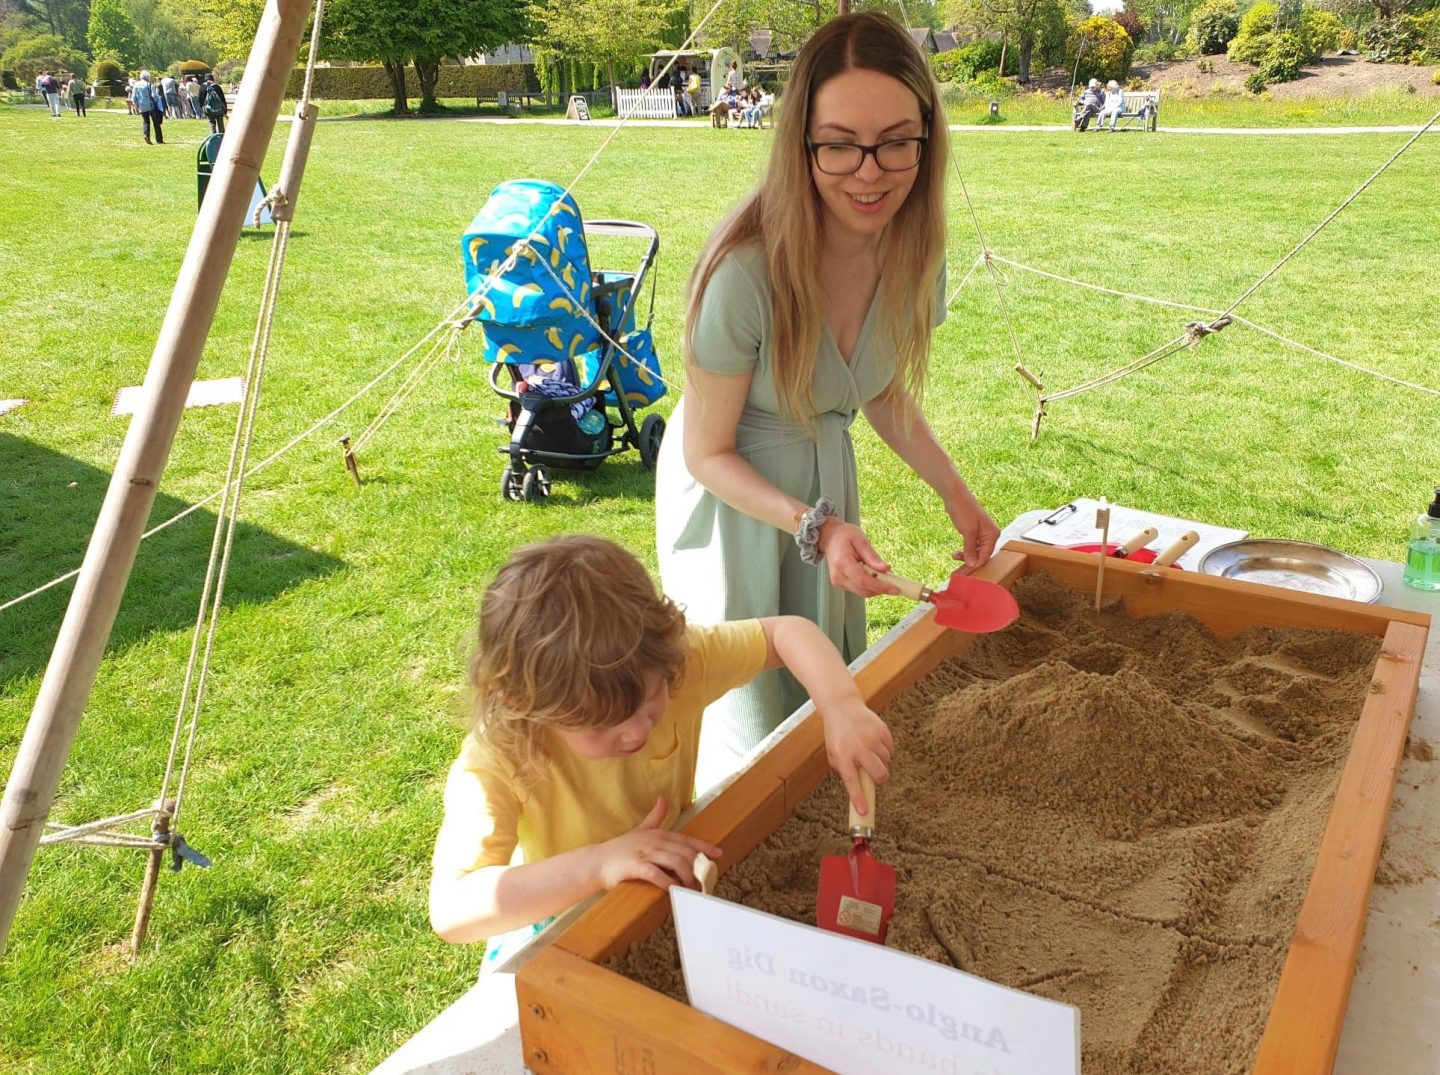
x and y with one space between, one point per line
586 801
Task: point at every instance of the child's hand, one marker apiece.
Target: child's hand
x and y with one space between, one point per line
855 739
650 853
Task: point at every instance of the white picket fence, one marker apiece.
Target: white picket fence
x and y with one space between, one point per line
654 103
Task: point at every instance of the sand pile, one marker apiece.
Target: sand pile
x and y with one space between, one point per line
1119 814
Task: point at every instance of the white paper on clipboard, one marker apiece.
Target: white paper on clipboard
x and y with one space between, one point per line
1074 524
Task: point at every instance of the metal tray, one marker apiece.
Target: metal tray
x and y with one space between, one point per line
1295 565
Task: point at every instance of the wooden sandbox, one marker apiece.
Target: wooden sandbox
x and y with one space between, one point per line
578 1016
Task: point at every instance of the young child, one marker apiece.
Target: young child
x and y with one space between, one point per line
589 688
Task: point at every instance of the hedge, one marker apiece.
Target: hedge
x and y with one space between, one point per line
371 82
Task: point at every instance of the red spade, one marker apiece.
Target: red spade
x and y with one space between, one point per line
965 604
857 892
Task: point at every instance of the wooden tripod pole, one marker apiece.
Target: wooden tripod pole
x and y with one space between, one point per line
111 554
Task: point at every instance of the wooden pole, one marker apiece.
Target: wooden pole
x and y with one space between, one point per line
111 554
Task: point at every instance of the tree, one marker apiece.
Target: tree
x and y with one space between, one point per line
1025 23
1168 20
230 25
605 32
111 31
169 30
419 32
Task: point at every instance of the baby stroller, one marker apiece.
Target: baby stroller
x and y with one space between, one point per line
572 390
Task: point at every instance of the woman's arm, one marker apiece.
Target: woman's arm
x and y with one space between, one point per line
493 899
713 402
900 424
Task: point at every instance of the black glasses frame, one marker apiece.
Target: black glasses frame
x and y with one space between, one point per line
868 151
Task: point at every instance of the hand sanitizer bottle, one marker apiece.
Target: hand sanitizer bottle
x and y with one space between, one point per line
1422 558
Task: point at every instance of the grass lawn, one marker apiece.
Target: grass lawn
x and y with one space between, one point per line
333 705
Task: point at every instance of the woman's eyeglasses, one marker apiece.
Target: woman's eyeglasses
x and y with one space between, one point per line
846 158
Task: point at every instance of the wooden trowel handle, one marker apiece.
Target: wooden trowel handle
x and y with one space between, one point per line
864 825
1139 541
1178 549
908 587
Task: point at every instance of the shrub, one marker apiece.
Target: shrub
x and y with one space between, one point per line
1255 83
964 63
1256 34
990 83
1107 51
1288 53
1435 76
1427 29
1347 40
1212 27
31 55
198 68
372 83
1320 31
9 81
1156 52
228 71
1131 22
1391 41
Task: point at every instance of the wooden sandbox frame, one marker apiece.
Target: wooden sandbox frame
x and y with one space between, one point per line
577 1017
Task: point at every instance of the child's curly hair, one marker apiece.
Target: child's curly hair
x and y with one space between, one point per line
572 631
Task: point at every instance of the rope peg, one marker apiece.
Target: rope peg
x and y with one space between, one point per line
1035 424
160 835
181 853
350 464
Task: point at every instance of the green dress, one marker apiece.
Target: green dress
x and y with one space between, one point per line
720 564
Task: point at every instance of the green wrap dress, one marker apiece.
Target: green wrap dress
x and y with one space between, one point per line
720 564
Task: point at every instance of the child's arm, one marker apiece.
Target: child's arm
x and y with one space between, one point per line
855 738
493 899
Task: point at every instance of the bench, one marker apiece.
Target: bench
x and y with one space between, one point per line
1141 110
507 100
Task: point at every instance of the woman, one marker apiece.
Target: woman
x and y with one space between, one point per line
814 300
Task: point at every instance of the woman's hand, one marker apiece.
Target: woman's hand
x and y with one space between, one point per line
650 853
977 530
851 560
856 739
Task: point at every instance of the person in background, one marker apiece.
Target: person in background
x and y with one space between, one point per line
192 91
1090 104
170 90
51 90
151 107
76 89
1113 106
588 687
732 77
212 100
814 302
692 89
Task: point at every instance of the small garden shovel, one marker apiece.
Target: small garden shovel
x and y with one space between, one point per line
857 892
965 604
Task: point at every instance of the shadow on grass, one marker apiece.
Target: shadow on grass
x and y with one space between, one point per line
45 528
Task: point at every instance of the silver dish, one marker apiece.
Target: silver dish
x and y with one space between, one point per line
1295 565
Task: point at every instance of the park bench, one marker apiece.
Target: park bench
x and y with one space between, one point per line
508 100
1142 110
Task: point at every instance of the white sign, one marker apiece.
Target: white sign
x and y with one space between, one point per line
859 1008
1074 524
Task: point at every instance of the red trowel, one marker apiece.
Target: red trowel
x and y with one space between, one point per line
857 892
965 604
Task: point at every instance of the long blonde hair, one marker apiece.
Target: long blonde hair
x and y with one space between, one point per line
572 632
784 216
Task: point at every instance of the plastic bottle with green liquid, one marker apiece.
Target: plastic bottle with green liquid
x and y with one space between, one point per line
1422 557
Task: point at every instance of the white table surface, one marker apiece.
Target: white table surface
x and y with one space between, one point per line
1392 1026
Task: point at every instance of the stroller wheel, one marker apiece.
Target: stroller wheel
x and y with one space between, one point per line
652 431
536 484
511 484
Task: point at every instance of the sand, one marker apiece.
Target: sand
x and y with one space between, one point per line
1118 814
